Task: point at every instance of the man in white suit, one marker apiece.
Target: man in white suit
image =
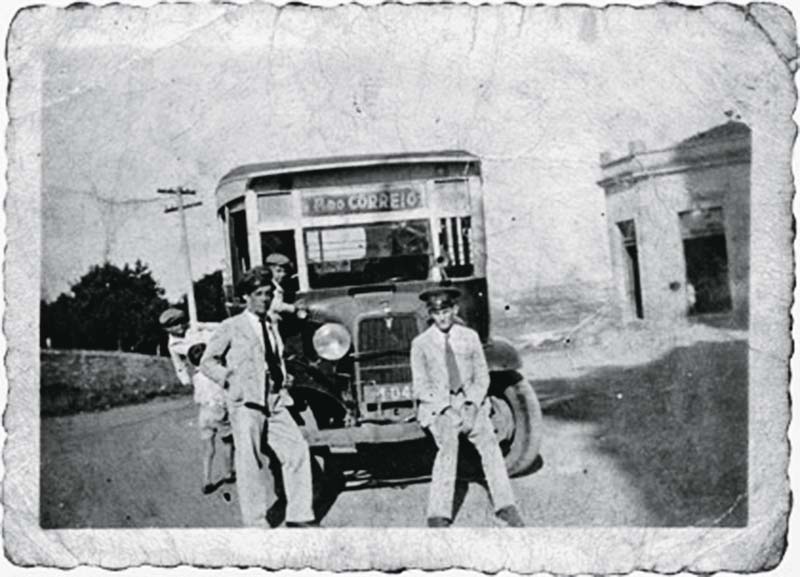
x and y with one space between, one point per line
451 380
245 355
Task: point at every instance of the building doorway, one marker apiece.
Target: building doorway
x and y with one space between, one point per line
705 252
630 259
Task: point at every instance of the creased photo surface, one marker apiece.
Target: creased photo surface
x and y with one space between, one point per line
391 287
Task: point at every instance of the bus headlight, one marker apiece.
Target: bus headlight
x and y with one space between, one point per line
332 341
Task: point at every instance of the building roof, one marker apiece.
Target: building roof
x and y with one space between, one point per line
730 129
725 144
336 162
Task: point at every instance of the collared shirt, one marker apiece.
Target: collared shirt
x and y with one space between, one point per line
275 342
461 344
277 296
431 376
278 304
255 322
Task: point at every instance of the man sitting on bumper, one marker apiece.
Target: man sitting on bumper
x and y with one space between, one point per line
451 381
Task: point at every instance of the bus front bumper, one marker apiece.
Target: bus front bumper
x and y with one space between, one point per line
346 439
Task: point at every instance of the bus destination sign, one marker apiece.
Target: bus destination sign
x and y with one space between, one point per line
357 202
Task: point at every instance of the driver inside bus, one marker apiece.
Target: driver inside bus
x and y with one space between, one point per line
398 251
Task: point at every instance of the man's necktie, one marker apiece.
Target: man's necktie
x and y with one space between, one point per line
452 367
273 362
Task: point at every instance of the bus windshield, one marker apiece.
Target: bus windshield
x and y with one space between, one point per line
370 253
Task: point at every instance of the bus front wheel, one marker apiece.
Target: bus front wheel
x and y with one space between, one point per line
517 420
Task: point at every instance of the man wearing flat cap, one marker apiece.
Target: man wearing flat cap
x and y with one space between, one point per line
279 265
176 325
244 355
451 381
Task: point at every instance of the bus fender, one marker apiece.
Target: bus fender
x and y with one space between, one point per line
501 356
306 379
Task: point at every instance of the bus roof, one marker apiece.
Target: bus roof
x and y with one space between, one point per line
248 171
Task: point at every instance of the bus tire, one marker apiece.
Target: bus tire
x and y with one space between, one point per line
517 419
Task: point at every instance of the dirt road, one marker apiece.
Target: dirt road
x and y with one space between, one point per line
138 466
655 440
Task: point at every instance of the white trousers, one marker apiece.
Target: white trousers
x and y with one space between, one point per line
254 482
443 479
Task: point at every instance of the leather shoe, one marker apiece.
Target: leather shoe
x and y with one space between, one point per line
438 522
301 524
511 516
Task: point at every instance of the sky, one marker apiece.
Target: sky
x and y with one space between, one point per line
134 100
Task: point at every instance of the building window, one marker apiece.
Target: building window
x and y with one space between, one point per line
705 252
630 260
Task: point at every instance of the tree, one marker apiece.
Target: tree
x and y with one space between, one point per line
210 297
109 308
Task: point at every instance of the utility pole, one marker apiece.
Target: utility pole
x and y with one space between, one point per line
181 208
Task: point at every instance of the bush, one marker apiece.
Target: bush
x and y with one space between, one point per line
77 381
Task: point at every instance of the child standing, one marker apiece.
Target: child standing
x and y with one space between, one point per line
212 420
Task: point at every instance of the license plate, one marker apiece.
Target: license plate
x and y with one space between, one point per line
387 393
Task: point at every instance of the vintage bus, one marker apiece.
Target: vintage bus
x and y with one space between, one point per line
367 234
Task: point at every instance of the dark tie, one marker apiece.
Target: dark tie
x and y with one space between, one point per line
273 362
452 365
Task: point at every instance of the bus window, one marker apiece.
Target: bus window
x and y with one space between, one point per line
281 241
454 240
275 207
452 196
240 253
337 245
368 254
